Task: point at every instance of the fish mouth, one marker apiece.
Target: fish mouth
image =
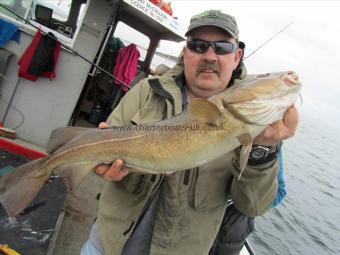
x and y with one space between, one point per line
290 78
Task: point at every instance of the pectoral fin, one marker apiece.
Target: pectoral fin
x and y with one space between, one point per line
73 174
246 142
205 111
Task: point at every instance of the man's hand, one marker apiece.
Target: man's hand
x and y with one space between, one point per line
279 130
114 172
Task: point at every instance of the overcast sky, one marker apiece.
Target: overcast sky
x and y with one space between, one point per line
309 46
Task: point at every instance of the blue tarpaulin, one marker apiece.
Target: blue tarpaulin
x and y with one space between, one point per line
8 31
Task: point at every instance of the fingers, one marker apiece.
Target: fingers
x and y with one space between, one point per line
117 171
279 130
101 169
103 125
114 172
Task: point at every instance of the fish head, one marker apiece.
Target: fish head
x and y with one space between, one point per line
262 99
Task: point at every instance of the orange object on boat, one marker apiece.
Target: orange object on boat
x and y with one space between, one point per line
156 2
163 5
167 8
7 251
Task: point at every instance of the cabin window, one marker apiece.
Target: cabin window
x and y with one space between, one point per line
61 15
61 8
125 33
20 7
166 54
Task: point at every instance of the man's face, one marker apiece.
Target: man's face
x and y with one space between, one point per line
208 73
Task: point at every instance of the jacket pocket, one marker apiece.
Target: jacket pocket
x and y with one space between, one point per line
152 111
209 186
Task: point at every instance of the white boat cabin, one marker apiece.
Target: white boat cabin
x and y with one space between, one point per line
80 91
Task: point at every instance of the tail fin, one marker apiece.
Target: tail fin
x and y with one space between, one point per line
17 190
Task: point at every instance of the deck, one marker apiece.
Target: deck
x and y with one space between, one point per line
30 232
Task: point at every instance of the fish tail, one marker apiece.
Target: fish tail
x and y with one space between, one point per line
18 188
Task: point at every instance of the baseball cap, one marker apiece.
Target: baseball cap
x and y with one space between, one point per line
214 18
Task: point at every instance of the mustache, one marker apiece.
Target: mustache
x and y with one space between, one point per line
208 65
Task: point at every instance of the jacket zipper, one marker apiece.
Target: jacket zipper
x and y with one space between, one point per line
146 206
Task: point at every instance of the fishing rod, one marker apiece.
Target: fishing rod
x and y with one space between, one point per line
68 48
271 38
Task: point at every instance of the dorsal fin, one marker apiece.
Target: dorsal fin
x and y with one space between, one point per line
205 111
61 136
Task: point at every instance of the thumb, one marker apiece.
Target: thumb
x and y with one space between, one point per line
103 125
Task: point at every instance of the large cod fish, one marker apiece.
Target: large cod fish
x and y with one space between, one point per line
207 130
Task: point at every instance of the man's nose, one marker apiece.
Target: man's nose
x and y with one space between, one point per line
210 54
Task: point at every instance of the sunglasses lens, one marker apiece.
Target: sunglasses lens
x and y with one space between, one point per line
220 48
198 46
223 48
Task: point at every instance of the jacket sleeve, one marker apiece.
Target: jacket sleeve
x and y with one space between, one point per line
281 191
254 193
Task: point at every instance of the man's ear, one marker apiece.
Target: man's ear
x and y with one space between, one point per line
238 56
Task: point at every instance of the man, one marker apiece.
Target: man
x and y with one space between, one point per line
180 213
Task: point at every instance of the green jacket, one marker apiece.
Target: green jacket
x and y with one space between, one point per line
192 202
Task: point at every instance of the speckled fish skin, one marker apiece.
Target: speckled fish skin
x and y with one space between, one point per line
208 130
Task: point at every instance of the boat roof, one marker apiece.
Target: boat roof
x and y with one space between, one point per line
147 17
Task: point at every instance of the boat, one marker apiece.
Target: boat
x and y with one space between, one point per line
56 223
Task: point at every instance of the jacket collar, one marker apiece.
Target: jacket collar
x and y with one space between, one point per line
170 88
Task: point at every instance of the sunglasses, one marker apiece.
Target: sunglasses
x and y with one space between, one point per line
219 47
